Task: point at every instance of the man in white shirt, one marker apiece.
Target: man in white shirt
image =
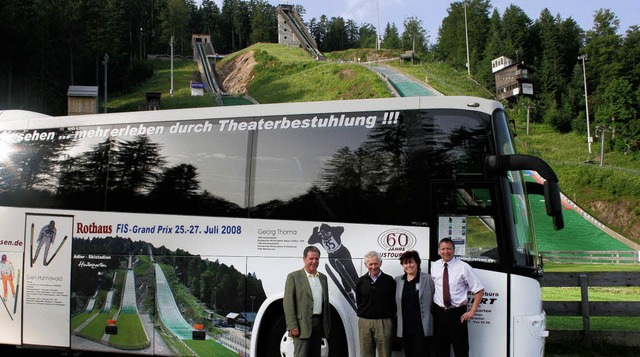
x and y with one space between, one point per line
453 279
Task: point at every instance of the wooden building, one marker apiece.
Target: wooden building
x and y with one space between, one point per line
82 100
512 79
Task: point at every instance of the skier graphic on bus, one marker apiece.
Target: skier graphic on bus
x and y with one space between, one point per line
339 257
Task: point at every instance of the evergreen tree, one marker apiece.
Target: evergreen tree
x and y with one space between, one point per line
174 23
515 34
602 47
351 34
452 36
618 111
263 23
551 67
414 36
138 163
391 39
367 36
494 49
336 35
318 30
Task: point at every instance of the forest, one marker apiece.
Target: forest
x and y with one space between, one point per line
45 53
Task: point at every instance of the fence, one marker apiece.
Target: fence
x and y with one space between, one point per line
592 256
586 308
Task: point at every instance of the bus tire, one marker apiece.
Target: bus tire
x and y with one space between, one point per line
273 333
337 337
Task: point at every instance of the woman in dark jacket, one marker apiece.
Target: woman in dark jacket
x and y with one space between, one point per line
414 295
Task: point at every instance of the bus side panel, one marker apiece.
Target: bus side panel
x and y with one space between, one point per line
342 260
47 280
529 320
488 334
13 238
124 268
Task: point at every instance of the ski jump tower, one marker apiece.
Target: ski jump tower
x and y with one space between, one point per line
293 32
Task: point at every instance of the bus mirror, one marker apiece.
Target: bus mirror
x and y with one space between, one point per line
553 203
499 164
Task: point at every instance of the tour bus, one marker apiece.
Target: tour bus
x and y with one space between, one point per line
172 232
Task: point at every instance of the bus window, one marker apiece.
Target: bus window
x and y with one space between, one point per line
522 236
466 216
336 173
481 240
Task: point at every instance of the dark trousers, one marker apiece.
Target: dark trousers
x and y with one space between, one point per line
310 347
449 331
416 346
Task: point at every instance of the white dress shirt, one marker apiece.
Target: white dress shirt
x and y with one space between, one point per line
462 279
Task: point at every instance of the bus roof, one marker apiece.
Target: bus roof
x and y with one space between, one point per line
26 121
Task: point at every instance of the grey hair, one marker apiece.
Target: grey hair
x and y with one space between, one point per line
372 254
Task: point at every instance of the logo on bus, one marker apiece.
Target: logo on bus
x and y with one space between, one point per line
398 240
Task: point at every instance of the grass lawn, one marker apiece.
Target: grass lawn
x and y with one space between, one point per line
183 74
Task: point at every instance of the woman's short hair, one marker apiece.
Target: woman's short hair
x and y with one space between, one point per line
410 254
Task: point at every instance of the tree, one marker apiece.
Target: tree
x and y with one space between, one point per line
336 35
602 46
618 110
367 36
138 164
453 32
179 182
414 36
630 55
235 25
211 22
515 33
318 30
174 22
351 34
495 48
263 23
91 171
550 74
391 38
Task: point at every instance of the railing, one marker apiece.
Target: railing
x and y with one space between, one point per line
586 308
592 256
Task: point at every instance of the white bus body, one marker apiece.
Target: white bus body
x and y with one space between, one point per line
175 229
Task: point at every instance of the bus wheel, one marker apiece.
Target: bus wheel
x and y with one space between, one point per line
274 339
338 346
287 350
286 345
270 342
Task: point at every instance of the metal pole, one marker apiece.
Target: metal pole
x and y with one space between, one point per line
378 28
171 44
105 62
466 34
602 148
528 107
586 99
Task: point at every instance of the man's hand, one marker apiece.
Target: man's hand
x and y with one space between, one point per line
466 316
294 332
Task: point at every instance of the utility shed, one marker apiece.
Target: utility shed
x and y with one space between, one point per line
153 100
82 100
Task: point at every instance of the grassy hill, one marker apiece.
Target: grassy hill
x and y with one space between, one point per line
611 192
274 74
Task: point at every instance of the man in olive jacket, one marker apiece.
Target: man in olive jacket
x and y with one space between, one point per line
306 306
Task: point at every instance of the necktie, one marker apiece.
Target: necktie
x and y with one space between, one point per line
446 296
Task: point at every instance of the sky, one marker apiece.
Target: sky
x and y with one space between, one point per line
432 12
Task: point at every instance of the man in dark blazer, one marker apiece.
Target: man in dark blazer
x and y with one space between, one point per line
306 306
